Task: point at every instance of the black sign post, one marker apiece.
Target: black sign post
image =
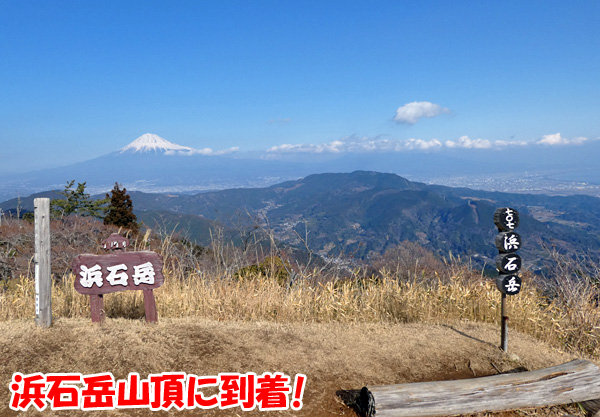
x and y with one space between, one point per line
508 262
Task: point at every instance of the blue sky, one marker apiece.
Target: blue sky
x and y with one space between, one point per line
82 79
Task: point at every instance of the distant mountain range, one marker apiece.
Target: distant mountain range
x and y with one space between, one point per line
153 164
365 213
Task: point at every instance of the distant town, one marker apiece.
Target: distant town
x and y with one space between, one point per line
534 183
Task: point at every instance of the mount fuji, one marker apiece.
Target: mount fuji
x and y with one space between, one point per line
149 142
153 164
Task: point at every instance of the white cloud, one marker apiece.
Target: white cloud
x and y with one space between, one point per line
335 146
422 144
411 113
468 143
205 151
505 143
557 140
354 144
224 151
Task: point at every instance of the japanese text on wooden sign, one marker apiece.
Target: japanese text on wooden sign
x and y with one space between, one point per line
103 274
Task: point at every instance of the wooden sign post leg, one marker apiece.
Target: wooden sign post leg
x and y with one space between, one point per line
97 308
504 326
150 307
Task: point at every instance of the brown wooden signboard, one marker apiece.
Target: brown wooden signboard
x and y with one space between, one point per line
96 275
117 271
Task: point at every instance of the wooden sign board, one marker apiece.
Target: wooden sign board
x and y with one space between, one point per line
508 242
117 271
96 275
506 219
508 263
509 284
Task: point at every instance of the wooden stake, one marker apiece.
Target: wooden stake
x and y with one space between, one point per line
43 283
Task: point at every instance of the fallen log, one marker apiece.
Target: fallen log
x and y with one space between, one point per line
571 382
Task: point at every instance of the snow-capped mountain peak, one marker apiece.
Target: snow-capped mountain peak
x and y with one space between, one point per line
150 142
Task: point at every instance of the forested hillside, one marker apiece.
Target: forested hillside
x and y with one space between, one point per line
364 214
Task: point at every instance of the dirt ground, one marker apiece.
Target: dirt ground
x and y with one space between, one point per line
334 357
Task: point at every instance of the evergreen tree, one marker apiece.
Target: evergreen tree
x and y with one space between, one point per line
78 202
120 210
